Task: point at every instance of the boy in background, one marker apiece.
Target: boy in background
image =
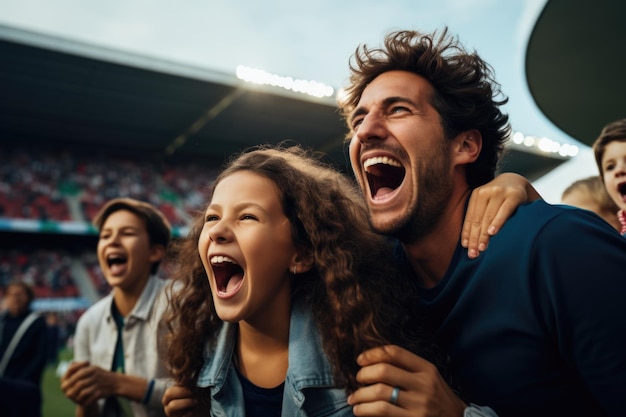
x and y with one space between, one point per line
610 153
117 369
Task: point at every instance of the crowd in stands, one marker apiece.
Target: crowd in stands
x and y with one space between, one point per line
47 271
29 185
40 184
59 185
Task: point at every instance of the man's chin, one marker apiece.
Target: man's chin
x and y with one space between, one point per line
389 227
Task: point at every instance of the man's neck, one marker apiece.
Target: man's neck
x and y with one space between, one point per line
430 257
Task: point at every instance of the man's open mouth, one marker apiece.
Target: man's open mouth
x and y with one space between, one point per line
228 274
384 175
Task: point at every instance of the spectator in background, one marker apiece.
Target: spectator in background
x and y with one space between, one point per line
118 369
590 194
23 350
610 153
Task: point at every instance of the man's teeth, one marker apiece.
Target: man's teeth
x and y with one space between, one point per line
381 160
221 259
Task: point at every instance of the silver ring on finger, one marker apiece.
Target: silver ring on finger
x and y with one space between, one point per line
395 393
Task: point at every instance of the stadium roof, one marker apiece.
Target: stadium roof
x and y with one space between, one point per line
66 92
575 65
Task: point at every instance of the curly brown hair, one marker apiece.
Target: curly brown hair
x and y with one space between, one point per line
357 297
466 92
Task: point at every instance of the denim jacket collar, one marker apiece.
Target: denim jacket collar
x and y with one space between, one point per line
308 365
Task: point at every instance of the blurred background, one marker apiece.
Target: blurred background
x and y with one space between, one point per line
146 98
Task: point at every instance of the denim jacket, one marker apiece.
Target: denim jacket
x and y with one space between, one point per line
309 387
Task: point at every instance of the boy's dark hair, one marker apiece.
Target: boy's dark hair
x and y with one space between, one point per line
613 132
157 226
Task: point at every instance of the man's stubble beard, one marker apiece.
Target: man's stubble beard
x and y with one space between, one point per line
430 199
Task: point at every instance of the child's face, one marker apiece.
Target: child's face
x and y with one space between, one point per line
614 169
582 199
125 253
247 249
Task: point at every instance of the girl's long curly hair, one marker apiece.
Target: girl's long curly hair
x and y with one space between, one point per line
357 297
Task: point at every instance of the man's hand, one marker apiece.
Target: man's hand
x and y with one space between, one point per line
85 384
179 402
423 391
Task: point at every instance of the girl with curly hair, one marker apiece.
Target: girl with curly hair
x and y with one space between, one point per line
282 284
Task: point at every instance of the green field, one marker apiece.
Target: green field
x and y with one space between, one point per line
55 404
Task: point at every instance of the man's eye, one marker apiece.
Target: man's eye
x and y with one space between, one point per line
356 123
399 109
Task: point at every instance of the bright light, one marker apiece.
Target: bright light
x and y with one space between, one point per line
548 145
257 76
518 137
568 150
544 144
529 141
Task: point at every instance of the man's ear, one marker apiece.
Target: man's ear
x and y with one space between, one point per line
157 252
467 146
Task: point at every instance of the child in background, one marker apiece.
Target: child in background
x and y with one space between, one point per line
610 153
117 369
590 194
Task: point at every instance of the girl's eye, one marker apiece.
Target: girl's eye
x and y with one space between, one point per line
248 217
211 218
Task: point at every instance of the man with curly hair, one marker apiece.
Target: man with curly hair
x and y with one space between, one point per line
527 332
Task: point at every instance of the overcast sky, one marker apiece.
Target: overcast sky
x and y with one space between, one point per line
309 40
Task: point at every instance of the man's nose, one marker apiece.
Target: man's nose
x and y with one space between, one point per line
372 127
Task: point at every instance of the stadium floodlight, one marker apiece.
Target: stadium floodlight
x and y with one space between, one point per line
543 145
258 76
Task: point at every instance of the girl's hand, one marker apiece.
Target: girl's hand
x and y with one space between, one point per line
490 206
